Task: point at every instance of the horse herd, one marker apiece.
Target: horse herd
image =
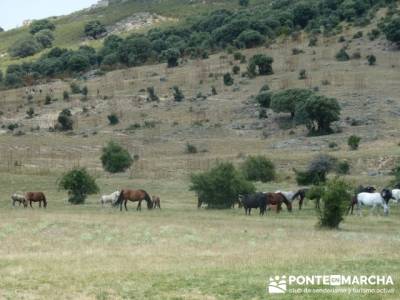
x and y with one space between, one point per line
118 198
364 196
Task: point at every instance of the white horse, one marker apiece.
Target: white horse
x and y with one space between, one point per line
18 197
112 198
396 195
374 200
291 196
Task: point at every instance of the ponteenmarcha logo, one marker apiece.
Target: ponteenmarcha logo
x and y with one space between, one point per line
277 285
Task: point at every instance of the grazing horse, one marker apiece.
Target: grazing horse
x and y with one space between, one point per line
396 195
257 200
156 202
291 196
360 189
134 196
374 200
112 198
20 198
277 199
36 197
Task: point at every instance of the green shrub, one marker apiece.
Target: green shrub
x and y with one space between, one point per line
335 200
190 149
94 29
39 25
392 30
332 145
264 99
258 168
220 186
354 142
85 91
342 55
303 74
178 95
65 95
45 38
115 159
358 35
260 64
317 170
65 120
30 112
371 60
47 100
288 100
152 94
214 91
236 69
79 184
228 79
75 89
24 48
343 167
113 119
313 41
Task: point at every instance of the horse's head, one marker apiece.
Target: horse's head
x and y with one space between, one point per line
370 189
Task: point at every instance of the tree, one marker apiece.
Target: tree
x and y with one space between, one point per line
303 12
115 159
65 120
335 200
392 30
79 184
235 69
317 170
220 186
371 60
30 112
353 142
178 95
39 25
113 119
264 99
258 168
342 55
95 29
286 101
260 64
244 3
24 47
152 94
318 113
78 63
172 57
1 29
45 38
250 38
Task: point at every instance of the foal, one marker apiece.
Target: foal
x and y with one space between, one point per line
156 202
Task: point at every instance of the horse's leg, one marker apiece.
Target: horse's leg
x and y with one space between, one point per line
301 202
120 205
126 201
30 203
40 203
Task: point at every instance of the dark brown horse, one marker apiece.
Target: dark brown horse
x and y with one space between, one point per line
156 202
277 199
36 197
134 196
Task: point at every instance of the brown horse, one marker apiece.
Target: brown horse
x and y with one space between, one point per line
156 202
134 196
277 199
36 197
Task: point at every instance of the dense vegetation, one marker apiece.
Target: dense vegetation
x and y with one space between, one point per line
196 37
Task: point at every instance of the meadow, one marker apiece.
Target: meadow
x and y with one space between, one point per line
179 252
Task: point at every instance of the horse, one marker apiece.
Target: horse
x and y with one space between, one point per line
112 198
20 198
375 199
360 189
134 196
396 195
291 196
36 197
156 202
277 199
257 200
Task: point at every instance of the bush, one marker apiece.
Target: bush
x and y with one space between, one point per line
228 79
190 149
237 56
358 35
178 95
172 57
303 74
85 91
317 170
214 91
335 200
65 95
354 142
152 94
79 185
260 64
220 186
392 30
342 55
250 38
39 25
244 3
30 112
313 41
113 119
373 34
258 168
343 167
47 100
371 60
45 38
94 29
65 120
264 99
75 89
236 70
24 48
115 159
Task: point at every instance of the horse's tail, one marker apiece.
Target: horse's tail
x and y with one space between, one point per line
44 200
148 200
119 200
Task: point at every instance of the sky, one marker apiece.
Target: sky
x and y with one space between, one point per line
14 12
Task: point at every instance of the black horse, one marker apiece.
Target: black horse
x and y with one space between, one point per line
360 189
257 200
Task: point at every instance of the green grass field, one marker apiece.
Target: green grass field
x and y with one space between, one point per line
180 252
